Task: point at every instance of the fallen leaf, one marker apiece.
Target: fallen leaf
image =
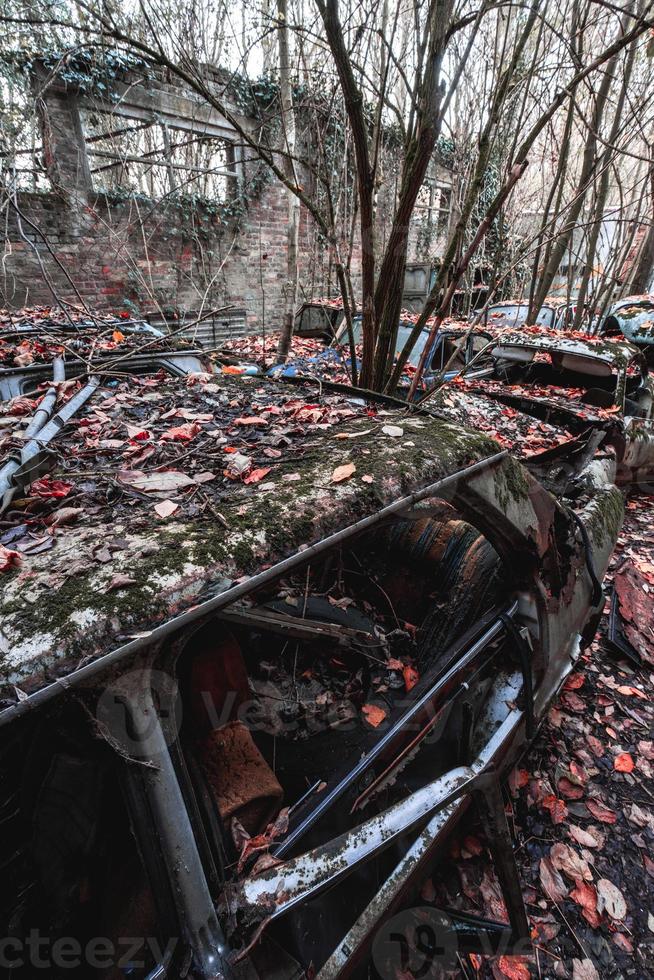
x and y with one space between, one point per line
569 790
64 515
585 896
165 508
238 465
251 420
137 432
120 581
373 714
181 433
638 816
587 838
632 692
343 472
117 336
514 967
565 859
557 808
518 778
623 763
393 430
9 559
255 476
584 970
411 677
600 812
623 942
166 481
47 488
611 899
552 882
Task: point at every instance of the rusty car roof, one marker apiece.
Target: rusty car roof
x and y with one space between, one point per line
99 559
614 352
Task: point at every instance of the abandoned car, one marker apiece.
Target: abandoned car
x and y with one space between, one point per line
632 318
27 356
570 383
243 735
555 313
452 348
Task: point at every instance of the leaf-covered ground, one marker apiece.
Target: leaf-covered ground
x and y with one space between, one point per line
581 809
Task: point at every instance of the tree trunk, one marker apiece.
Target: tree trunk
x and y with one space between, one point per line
589 163
288 128
602 191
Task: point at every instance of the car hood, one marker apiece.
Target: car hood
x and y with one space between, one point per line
521 421
104 564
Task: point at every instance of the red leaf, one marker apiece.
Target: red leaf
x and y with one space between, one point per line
570 790
558 809
600 812
514 967
623 763
411 677
255 476
181 433
573 702
47 488
585 895
574 682
9 559
517 780
373 714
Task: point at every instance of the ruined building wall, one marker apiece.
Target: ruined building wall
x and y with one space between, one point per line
120 250
144 255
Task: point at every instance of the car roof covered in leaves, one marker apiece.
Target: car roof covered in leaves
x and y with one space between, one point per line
165 490
614 352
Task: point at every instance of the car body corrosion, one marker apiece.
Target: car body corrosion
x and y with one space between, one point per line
270 711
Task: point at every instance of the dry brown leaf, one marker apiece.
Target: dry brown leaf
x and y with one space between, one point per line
343 472
590 837
167 481
552 882
165 508
584 970
611 899
565 859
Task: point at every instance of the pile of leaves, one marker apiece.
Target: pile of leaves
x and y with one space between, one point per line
581 809
153 445
523 435
263 349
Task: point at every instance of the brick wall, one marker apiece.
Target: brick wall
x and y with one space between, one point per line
146 255
151 256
